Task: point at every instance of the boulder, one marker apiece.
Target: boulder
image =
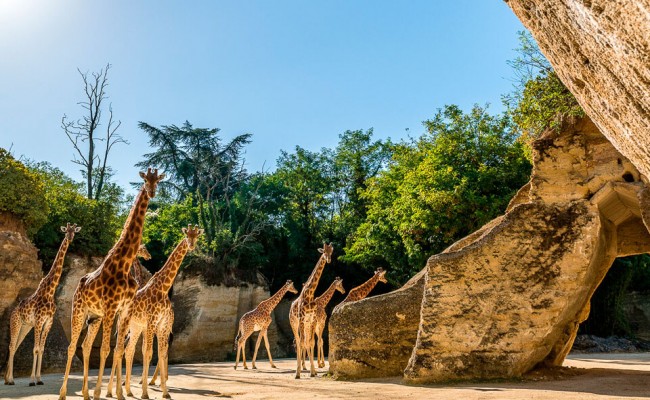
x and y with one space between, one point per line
510 296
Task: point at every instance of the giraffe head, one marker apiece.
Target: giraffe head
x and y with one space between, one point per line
151 180
290 287
339 284
69 230
143 253
381 274
327 251
192 235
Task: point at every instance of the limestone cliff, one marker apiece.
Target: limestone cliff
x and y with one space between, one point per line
511 295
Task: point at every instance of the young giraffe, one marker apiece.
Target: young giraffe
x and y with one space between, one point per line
259 319
321 316
101 294
303 310
37 311
360 292
136 273
151 312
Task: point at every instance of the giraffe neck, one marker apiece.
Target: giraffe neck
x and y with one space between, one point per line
325 298
51 281
307 294
136 272
164 279
361 291
128 244
272 302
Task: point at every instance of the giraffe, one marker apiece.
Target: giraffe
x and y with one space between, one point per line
101 294
136 273
360 292
37 311
151 312
259 319
321 316
136 268
303 309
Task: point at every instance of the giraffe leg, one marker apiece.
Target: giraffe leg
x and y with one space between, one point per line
268 348
238 344
109 388
296 335
134 335
147 348
107 327
77 322
46 330
155 374
86 347
38 327
18 332
118 354
163 346
310 349
257 347
321 353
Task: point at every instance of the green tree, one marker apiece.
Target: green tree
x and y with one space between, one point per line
438 189
101 220
540 100
22 193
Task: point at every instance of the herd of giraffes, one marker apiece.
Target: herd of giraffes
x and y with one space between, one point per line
117 289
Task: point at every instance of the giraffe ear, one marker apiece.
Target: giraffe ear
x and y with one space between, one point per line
184 230
63 229
161 177
320 250
201 231
77 229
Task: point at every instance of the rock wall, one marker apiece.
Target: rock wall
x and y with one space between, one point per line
601 51
207 317
511 295
636 306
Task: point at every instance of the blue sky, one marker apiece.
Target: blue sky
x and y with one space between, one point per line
289 72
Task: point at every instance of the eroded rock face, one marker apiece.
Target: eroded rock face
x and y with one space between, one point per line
511 295
601 51
375 336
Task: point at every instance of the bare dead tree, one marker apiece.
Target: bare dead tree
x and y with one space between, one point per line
84 133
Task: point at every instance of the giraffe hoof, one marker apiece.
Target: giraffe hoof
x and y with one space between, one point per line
273 366
40 383
144 396
167 396
32 383
10 383
245 367
254 367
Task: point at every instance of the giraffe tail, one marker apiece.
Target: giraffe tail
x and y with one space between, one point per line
237 337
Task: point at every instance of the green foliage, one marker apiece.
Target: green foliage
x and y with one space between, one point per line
100 219
438 189
540 100
22 193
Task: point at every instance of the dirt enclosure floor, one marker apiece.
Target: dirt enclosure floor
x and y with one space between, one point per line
594 376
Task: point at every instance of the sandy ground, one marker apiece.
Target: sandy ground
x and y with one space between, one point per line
596 376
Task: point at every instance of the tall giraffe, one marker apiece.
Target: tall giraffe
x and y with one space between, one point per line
37 311
259 319
321 315
136 273
303 310
151 311
360 292
101 294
